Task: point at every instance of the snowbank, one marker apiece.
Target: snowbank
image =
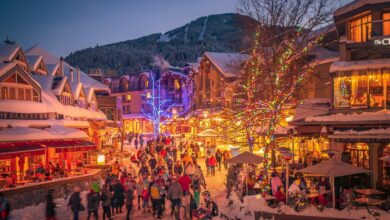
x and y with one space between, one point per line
38 211
43 123
256 203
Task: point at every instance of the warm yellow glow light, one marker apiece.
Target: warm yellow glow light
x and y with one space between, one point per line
101 159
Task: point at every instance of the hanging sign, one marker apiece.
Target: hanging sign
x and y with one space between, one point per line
384 42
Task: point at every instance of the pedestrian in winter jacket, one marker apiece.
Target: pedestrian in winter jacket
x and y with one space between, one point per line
152 163
105 197
178 169
175 193
75 203
93 199
185 182
218 156
118 197
212 164
50 206
129 202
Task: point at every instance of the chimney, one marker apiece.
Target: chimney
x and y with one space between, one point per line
78 75
62 65
71 74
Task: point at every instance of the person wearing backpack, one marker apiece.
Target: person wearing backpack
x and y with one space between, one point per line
156 200
105 197
129 201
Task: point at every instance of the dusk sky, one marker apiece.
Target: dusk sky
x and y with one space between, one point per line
62 26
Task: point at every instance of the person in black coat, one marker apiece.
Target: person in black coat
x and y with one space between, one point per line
93 204
118 199
50 206
75 203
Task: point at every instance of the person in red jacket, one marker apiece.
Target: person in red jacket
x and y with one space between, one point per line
185 182
280 195
212 164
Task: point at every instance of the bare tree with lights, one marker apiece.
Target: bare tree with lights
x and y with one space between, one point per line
278 63
157 107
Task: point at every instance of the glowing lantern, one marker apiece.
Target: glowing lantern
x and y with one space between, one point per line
101 159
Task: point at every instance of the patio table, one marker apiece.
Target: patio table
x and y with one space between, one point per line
368 192
370 201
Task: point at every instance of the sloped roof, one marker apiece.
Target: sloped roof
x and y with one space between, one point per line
52 68
311 107
51 59
355 5
33 61
7 51
324 55
227 63
76 88
46 83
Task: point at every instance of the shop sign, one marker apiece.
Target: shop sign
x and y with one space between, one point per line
384 42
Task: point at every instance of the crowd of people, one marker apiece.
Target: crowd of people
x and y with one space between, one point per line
160 177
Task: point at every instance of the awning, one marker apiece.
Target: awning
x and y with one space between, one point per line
12 150
71 145
359 65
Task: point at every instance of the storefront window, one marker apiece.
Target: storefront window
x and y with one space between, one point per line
359 86
359 155
376 89
342 91
360 29
386 79
386 23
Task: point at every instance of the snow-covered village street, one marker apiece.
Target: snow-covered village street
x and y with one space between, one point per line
195 109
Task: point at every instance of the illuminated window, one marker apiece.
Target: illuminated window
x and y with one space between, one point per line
342 91
386 78
386 23
359 86
359 154
376 89
177 84
128 97
146 83
360 29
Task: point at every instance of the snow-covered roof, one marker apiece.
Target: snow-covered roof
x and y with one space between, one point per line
33 61
5 67
27 134
134 116
76 88
52 68
364 134
18 106
51 59
378 116
355 5
227 63
324 55
8 51
311 107
4 123
359 65
46 83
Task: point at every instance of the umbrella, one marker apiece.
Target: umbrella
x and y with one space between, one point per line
332 169
385 158
246 157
